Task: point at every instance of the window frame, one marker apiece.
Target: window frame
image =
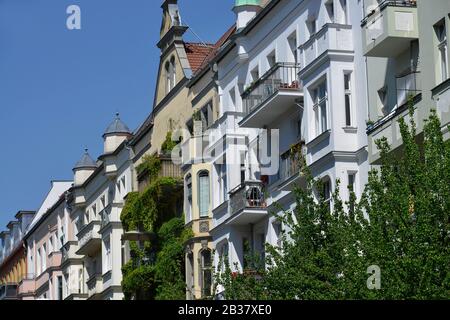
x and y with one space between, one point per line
320 104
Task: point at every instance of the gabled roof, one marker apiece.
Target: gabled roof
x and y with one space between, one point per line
58 188
216 48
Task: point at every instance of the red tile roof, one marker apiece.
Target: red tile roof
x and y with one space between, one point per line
197 53
216 47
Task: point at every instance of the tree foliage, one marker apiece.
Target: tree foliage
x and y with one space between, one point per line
400 224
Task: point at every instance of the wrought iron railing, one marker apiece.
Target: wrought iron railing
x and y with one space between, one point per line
282 76
249 194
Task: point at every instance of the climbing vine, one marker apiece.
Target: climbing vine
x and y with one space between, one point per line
156 267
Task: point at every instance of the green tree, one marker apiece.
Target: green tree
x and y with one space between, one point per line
400 224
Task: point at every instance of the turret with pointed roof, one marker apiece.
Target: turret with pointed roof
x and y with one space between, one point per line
115 134
83 168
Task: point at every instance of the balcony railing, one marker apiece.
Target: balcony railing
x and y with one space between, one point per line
94 285
168 169
389 3
291 163
282 76
89 238
332 36
408 86
248 195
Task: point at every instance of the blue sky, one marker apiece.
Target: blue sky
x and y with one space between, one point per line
60 89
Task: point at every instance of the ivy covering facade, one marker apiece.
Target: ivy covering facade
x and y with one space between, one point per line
156 267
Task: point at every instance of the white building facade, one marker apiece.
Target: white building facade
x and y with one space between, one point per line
293 75
92 256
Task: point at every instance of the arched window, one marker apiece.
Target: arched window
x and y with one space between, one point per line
206 274
173 73
168 83
203 194
170 74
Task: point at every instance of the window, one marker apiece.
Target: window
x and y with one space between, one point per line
330 10
43 257
103 201
80 281
94 211
242 173
271 59
119 188
206 114
206 272
59 292
255 73
223 256
223 181
86 217
262 246
66 285
203 195
232 98
382 95
277 227
441 35
38 262
189 195
246 250
320 108
344 12
311 26
293 47
108 257
123 180
191 275
351 188
170 74
50 244
327 192
348 99
298 127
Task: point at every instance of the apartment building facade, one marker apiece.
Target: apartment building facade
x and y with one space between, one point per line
13 264
92 253
43 241
293 76
406 46
197 170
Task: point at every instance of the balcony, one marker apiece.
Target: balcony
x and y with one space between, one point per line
94 286
27 286
271 95
408 86
89 240
68 252
247 203
168 169
332 37
8 291
290 167
75 295
389 28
